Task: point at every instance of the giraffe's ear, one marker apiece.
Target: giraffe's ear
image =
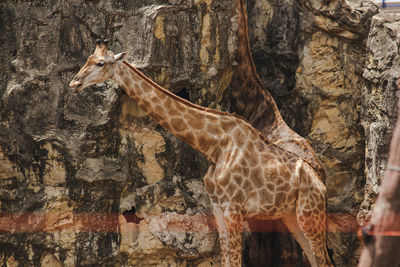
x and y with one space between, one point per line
120 56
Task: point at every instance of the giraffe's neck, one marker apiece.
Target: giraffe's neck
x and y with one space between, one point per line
260 108
192 124
255 104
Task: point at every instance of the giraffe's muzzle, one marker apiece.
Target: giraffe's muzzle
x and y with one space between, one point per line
75 84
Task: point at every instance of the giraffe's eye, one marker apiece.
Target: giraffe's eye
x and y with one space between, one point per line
100 64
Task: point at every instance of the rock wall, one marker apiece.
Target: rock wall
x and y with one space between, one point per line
90 179
313 63
379 102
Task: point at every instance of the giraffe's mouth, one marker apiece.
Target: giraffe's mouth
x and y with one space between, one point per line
77 88
76 85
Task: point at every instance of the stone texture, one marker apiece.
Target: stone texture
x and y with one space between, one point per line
72 167
90 179
191 234
49 260
379 103
274 31
312 61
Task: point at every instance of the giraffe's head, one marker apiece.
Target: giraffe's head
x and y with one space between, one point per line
98 68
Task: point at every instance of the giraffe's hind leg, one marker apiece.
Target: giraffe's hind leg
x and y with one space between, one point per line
311 217
291 223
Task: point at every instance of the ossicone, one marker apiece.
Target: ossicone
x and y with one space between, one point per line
101 43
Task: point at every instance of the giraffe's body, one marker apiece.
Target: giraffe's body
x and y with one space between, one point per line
248 176
252 101
255 104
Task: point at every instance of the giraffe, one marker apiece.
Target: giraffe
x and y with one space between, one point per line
255 104
248 177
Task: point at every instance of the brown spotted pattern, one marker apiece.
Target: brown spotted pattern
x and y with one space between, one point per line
256 104
248 177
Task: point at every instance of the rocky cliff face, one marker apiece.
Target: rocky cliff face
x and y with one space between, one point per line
314 66
379 102
90 179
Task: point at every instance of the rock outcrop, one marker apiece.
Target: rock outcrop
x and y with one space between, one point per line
379 102
313 61
90 179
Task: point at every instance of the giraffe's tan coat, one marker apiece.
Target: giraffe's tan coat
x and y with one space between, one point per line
274 183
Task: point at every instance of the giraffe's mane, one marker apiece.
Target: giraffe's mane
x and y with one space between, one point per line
177 98
190 104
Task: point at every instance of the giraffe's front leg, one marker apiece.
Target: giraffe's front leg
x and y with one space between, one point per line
230 229
234 223
218 215
223 235
229 224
